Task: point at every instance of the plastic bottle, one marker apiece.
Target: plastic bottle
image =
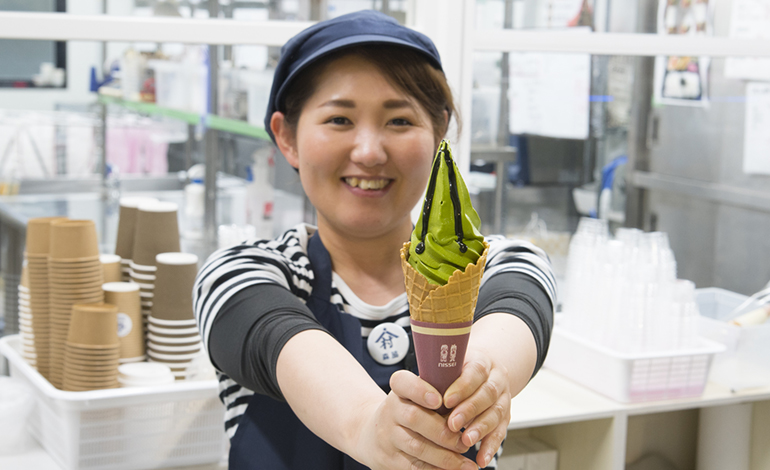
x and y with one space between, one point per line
195 203
260 194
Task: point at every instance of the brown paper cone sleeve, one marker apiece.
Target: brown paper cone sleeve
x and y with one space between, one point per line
440 350
454 302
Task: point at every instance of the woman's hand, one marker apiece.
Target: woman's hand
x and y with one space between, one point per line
403 431
480 400
499 362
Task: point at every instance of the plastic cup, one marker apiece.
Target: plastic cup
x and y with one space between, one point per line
157 231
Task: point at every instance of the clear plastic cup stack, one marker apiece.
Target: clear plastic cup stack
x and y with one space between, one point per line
622 292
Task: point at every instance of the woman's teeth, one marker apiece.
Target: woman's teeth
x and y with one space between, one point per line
367 184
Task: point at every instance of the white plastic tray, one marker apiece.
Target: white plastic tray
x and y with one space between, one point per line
125 428
631 378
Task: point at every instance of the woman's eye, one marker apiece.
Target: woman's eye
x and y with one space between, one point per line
339 120
400 122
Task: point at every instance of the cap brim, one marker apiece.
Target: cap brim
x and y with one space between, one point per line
342 44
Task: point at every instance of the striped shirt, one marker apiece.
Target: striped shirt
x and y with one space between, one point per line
284 262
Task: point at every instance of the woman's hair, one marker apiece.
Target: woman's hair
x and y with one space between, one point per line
406 69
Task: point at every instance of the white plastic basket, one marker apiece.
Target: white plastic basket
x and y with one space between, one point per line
631 378
746 363
126 428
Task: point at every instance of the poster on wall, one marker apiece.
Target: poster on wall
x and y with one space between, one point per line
683 81
549 94
749 19
756 141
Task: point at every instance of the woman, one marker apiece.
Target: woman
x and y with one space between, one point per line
358 107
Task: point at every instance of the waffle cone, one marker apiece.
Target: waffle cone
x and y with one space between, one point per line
454 302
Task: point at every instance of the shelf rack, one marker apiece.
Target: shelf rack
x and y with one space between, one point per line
233 126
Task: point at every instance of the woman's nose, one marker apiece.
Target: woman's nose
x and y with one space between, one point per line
368 150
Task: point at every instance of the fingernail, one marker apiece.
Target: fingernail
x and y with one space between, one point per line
488 458
432 400
473 436
450 401
458 421
469 466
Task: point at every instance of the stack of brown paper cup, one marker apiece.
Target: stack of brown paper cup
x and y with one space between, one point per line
26 323
156 231
75 278
111 267
173 338
92 349
125 296
124 246
34 300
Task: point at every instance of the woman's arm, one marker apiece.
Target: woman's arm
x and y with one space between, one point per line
337 400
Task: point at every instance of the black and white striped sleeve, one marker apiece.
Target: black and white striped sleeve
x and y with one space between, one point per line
518 279
280 262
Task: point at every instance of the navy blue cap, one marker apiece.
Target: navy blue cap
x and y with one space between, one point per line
361 27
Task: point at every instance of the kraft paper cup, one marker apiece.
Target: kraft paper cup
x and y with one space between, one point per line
111 267
94 325
172 331
173 340
129 360
174 283
124 244
125 296
172 323
74 240
39 235
157 231
440 350
142 268
157 348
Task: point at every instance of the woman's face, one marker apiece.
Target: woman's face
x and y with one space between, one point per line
363 149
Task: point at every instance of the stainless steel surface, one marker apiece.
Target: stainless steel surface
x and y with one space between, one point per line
714 192
93 184
212 146
690 182
500 156
638 155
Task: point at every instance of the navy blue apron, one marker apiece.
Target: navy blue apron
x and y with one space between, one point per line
269 435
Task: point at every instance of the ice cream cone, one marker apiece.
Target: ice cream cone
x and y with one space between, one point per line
454 302
441 319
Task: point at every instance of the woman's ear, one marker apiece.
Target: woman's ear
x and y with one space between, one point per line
284 138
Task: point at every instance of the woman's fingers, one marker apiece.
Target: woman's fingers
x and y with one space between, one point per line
491 444
496 415
474 376
429 425
410 387
425 454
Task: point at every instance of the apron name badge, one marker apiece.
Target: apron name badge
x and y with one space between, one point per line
388 343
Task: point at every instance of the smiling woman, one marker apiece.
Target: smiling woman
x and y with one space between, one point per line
295 325
403 68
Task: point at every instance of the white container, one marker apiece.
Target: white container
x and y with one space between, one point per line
15 407
126 428
746 362
180 85
631 378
